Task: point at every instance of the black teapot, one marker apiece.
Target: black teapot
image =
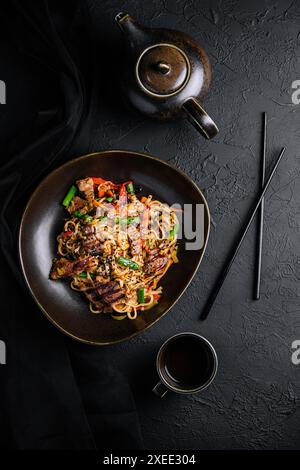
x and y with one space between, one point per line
166 74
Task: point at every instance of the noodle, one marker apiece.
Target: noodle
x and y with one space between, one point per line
115 248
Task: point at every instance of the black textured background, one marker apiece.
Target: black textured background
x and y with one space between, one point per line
255 54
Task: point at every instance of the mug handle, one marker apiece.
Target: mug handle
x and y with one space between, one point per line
160 389
199 118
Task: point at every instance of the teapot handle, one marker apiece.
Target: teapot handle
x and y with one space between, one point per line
199 118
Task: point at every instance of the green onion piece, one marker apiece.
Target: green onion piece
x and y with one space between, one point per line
141 295
85 217
119 317
102 217
88 218
130 188
78 214
174 231
128 263
69 196
109 199
127 220
133 220
84 275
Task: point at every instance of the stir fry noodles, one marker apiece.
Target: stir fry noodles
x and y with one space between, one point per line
115 247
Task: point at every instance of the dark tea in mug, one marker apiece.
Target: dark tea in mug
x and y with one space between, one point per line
186 363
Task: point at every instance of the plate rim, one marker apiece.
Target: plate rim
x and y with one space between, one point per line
69 163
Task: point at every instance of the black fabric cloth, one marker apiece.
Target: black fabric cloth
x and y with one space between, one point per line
55 393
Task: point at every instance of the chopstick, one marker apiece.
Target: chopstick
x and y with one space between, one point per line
238 243
261 213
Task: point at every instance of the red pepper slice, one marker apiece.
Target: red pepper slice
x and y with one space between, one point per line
68 233
101 192
122 187
106 188
98 181
123 194
122 190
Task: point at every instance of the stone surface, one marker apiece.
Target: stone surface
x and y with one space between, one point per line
254 48
255 54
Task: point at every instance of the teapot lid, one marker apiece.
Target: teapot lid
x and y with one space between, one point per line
163 70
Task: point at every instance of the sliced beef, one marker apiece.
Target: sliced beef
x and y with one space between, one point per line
63 267
113 297
106 287
155 263
92 246
95 285
86 187
110 292
85 264
135 240
94 298
78 204
87 284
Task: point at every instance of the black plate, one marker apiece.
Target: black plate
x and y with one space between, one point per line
43 220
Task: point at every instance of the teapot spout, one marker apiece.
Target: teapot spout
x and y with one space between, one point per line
134 32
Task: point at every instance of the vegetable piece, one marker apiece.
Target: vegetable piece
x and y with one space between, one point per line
98 181
101 191
128 263
141 295
87 218
69 196
173 231
127 220
84 275
68 233
105 188
102 218
78 214
119 317
130 188
147 307
109 199
122 190
174 257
